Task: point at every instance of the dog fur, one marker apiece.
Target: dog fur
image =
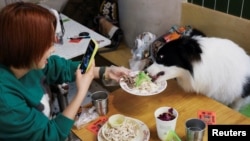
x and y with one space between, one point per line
215 67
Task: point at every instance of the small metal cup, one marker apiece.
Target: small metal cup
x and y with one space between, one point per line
195 129
100 101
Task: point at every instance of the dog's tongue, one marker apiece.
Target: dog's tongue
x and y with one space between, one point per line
153 78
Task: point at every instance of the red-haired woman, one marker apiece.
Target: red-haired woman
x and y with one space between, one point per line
27 35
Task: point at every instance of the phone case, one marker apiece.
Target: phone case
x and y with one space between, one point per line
85 65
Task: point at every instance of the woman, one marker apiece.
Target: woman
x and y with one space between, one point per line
27 35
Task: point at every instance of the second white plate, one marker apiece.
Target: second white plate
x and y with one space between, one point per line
143 127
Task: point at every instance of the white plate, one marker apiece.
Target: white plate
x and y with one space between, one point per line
143 127
161 87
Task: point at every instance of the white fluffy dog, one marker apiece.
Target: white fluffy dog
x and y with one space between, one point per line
215 67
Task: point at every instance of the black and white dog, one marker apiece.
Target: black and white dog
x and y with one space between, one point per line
215 67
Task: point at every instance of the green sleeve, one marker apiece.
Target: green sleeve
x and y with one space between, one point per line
21 122
60 70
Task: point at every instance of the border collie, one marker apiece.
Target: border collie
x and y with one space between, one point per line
215 67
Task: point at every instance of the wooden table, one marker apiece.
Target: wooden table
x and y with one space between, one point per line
187 104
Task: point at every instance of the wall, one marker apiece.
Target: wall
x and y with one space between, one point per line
239 8
216 23
155 16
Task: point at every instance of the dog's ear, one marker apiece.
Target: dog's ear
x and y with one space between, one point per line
190 49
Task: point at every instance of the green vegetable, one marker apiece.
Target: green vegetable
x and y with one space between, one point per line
140 78
172 136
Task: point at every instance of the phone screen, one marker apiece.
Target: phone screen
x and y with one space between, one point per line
88 56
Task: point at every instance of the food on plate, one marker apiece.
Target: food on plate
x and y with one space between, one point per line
168 115
116 120
142 77
129 130
137 79
140 81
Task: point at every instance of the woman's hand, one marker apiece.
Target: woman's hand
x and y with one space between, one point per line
83 80
116 73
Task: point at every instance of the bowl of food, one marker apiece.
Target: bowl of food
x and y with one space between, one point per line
121 128
166 118
166 113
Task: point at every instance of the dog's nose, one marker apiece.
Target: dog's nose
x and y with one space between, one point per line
149 62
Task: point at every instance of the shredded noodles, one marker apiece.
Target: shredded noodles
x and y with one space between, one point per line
147 86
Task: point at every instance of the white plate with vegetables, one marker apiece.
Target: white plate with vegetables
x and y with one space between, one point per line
139 83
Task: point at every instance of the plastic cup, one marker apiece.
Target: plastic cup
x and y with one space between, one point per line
195 129
100 101
164 126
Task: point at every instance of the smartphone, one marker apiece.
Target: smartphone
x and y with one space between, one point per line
89 56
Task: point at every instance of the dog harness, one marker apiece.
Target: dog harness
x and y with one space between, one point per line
177 32
174 33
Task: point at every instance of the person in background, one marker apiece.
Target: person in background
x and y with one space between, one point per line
99 15
108 24
27 68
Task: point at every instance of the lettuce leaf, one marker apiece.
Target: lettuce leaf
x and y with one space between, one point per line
140 78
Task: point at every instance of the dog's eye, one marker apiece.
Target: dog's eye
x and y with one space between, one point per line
161 57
